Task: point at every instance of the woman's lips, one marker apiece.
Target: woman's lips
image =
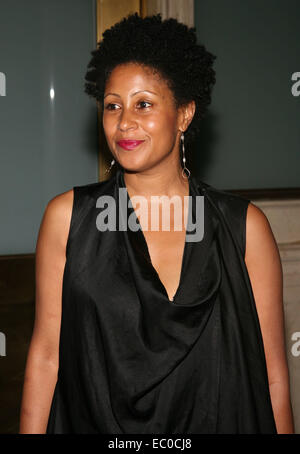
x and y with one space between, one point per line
129 144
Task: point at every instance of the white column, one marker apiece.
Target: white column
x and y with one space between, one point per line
182 10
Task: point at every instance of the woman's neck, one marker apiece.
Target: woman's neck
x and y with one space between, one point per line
151 183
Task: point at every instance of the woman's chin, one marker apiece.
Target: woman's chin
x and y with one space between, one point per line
131 162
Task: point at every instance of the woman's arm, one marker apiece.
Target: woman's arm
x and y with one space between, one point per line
42 359
265 271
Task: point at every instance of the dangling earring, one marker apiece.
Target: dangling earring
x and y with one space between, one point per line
111 164
185 171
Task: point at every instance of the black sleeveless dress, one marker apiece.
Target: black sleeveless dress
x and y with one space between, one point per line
133 361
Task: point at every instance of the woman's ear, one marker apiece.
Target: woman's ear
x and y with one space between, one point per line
187 112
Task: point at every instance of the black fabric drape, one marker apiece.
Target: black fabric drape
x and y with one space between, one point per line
131 360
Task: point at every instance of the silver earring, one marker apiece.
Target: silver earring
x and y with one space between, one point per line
185 171
111 164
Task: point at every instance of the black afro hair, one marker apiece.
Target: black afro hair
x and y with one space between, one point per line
167 46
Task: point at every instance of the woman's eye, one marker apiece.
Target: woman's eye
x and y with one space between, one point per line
110 106
143 104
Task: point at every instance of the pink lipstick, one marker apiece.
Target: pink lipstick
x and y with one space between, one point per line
129 144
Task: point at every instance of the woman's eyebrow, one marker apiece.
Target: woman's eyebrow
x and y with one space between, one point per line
135 93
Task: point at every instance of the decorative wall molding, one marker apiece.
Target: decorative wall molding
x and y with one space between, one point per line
268 194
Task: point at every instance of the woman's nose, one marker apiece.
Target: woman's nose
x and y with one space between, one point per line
126 120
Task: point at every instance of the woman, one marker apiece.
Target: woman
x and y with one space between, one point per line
155 334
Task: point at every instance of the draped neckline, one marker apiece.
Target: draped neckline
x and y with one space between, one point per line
139 241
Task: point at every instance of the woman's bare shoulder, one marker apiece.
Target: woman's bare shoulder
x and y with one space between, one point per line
56 219
62 203
262 256
258 228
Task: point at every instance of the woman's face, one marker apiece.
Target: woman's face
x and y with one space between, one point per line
139 106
